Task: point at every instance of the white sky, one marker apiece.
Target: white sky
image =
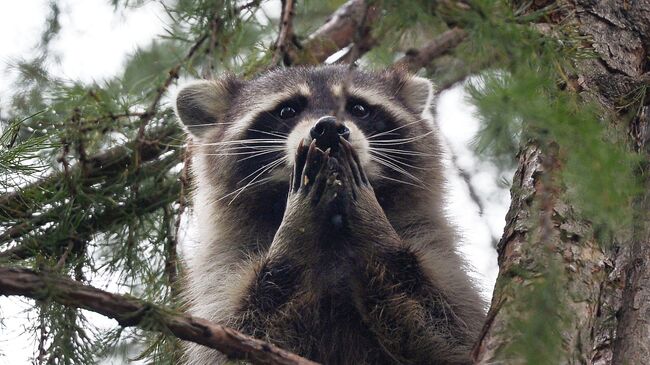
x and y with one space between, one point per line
93 44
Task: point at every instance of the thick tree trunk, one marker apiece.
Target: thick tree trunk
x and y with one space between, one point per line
603 287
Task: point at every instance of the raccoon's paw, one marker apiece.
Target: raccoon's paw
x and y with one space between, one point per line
366 214
323 181
316 173
333 184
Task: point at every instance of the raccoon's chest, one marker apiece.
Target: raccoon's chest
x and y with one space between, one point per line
329 330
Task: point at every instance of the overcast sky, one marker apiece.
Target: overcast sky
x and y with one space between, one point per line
93 45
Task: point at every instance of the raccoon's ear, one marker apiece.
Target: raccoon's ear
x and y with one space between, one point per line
202 105
417 93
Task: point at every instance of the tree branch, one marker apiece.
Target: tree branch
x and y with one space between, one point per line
130 312
417 58
334 35
286 36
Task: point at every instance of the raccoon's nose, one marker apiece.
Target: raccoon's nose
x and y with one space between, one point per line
327 131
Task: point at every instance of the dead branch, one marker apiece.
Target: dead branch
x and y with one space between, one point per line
362 40
132 312
417 58
337 33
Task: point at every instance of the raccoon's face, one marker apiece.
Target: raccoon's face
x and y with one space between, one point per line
247 132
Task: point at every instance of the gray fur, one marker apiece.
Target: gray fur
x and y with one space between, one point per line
392 290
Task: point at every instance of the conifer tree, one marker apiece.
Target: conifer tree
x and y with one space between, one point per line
94 177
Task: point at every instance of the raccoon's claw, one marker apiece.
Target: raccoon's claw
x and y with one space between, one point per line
353 165
296 174
305 170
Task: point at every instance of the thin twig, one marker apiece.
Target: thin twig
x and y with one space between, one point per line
248 5
208 70
182 205
43 335
172 75
129 312
62 260
171 256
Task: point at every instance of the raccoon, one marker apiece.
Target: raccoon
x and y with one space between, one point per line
319 204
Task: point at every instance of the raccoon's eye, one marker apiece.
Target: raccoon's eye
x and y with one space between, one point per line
287 112
359 110
290 108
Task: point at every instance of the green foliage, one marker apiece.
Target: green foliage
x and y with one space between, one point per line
20 155
65 335
523 99
52 25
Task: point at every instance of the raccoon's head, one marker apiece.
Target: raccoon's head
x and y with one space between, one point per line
247 132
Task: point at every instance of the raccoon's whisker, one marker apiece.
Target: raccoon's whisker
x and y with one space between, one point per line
390 142
254 172
277 119
261 154
402 152
392 130
261 168
251 148
395 167
387 134
403 182
249 140
243 142
395 160
253 153
209 124
253 182
257 183
268 167
274 134
261 147
421 186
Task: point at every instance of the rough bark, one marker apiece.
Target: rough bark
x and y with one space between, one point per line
541 228
607 286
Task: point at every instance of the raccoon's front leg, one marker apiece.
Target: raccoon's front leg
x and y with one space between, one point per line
277 292
399 300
